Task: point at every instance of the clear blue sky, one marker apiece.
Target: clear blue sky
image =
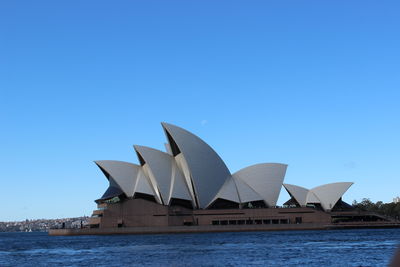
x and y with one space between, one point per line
313 84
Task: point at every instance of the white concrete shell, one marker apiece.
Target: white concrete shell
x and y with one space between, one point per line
187 177
312 198
179 188
238 191
246 193
143 184
192 170
329 194
123 173
153 183
168 148
265 179
166 177
205 169
228 191
298 193
113 189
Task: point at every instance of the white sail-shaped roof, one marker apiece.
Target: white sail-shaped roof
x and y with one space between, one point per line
228 191
236 190
113 189
129 177
266 179
246 193
187 177
143 184
153 182
192 170
167 177
298 193
329 194
123 173
312 198
168 148
160 169
207 171
179 188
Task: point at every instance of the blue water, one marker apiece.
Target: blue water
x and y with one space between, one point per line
291 248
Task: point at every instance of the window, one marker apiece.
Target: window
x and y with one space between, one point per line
284 221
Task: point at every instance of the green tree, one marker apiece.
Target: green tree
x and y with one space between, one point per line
388 209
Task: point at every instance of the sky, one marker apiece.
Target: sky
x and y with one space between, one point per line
312 84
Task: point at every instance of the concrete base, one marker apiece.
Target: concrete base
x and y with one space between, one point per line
214 228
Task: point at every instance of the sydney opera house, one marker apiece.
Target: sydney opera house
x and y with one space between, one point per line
190 188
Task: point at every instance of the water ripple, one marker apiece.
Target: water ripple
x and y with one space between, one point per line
295 248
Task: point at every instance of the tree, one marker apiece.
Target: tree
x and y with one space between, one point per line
388 209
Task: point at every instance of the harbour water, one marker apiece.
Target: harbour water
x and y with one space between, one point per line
284 248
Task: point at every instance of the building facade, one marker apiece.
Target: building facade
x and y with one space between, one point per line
190 185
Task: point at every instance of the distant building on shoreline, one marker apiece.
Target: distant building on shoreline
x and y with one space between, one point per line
43 225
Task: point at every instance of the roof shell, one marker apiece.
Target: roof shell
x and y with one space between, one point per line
208 172
265 179
329 194
246 193
112 191
312 198
297 192
229 191
143 185
179 188
152 182
167 176
123 173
